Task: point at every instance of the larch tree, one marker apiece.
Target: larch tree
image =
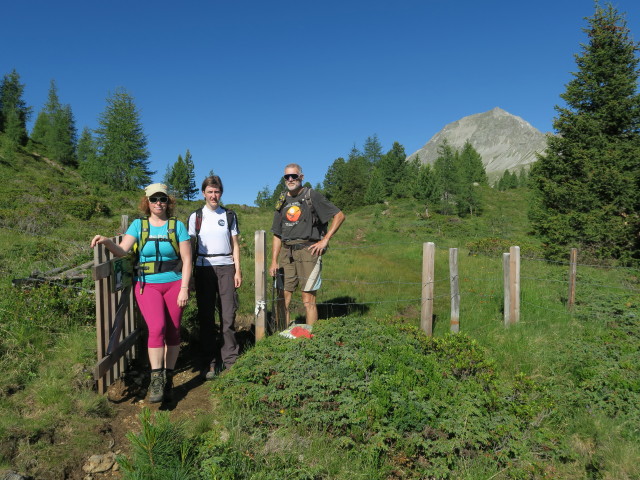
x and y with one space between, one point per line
54 134
88 164
587 184
122 144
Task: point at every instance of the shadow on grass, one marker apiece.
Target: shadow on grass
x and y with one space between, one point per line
336 307
341 307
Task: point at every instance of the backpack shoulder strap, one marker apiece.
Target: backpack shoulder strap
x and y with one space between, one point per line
144 235
307 199
198 222
173 235
281 200
309 202
231 216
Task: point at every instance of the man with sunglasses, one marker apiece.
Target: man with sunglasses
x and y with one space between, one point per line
300 237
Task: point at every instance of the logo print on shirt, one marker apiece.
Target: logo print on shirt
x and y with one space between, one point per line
293 213
221 222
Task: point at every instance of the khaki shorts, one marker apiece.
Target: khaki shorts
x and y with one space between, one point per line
300 268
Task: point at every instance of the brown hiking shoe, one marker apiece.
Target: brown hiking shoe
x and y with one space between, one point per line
156 387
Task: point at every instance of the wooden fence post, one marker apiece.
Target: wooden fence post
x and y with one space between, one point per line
455 290
261 287
428 264
573 272
506 288
514 287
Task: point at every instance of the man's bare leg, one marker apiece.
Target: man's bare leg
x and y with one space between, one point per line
309 300
287 302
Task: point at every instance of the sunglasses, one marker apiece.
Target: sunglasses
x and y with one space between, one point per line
158 199
291 176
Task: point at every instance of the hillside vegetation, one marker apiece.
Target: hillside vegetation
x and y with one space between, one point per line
556 396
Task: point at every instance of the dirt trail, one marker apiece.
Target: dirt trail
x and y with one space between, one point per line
128 396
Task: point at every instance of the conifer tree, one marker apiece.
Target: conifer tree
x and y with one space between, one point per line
176 178
263 199
375 188
63 136
523 178
54 133
334 179
587 187
191 188
12 137
392 167
372 149
471 165
446 170
122 144
508 181
14 112
472 173
410 185
355 180
88 164
37 137
428 186
280 187
180 178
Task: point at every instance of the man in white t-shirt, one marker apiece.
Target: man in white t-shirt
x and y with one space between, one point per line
214 238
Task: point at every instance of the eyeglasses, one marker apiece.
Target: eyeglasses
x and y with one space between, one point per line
158 199
291 176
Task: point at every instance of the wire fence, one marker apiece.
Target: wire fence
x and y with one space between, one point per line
544 289
543 292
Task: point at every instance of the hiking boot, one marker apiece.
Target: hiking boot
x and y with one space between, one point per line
156 387
168 385
214 371
211 374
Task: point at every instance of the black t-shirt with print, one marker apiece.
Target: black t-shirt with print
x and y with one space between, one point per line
294 221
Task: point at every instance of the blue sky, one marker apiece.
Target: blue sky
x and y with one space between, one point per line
249 86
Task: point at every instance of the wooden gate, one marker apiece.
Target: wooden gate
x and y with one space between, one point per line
117 318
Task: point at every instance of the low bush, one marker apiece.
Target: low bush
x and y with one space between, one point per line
398 398
493 246
85 207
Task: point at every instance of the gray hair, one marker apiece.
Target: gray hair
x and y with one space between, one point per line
294 165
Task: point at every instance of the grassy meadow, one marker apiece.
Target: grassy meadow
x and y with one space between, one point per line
555 396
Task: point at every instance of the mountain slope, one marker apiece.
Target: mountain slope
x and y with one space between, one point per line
503 140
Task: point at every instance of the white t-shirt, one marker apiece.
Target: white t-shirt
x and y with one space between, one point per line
214 237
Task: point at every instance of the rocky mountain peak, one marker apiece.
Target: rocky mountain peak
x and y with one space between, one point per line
505 141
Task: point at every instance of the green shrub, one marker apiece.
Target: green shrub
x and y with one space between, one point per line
493 246
160 451
85 207
388 392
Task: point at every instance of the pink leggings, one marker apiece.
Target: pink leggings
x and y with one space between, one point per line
159 306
